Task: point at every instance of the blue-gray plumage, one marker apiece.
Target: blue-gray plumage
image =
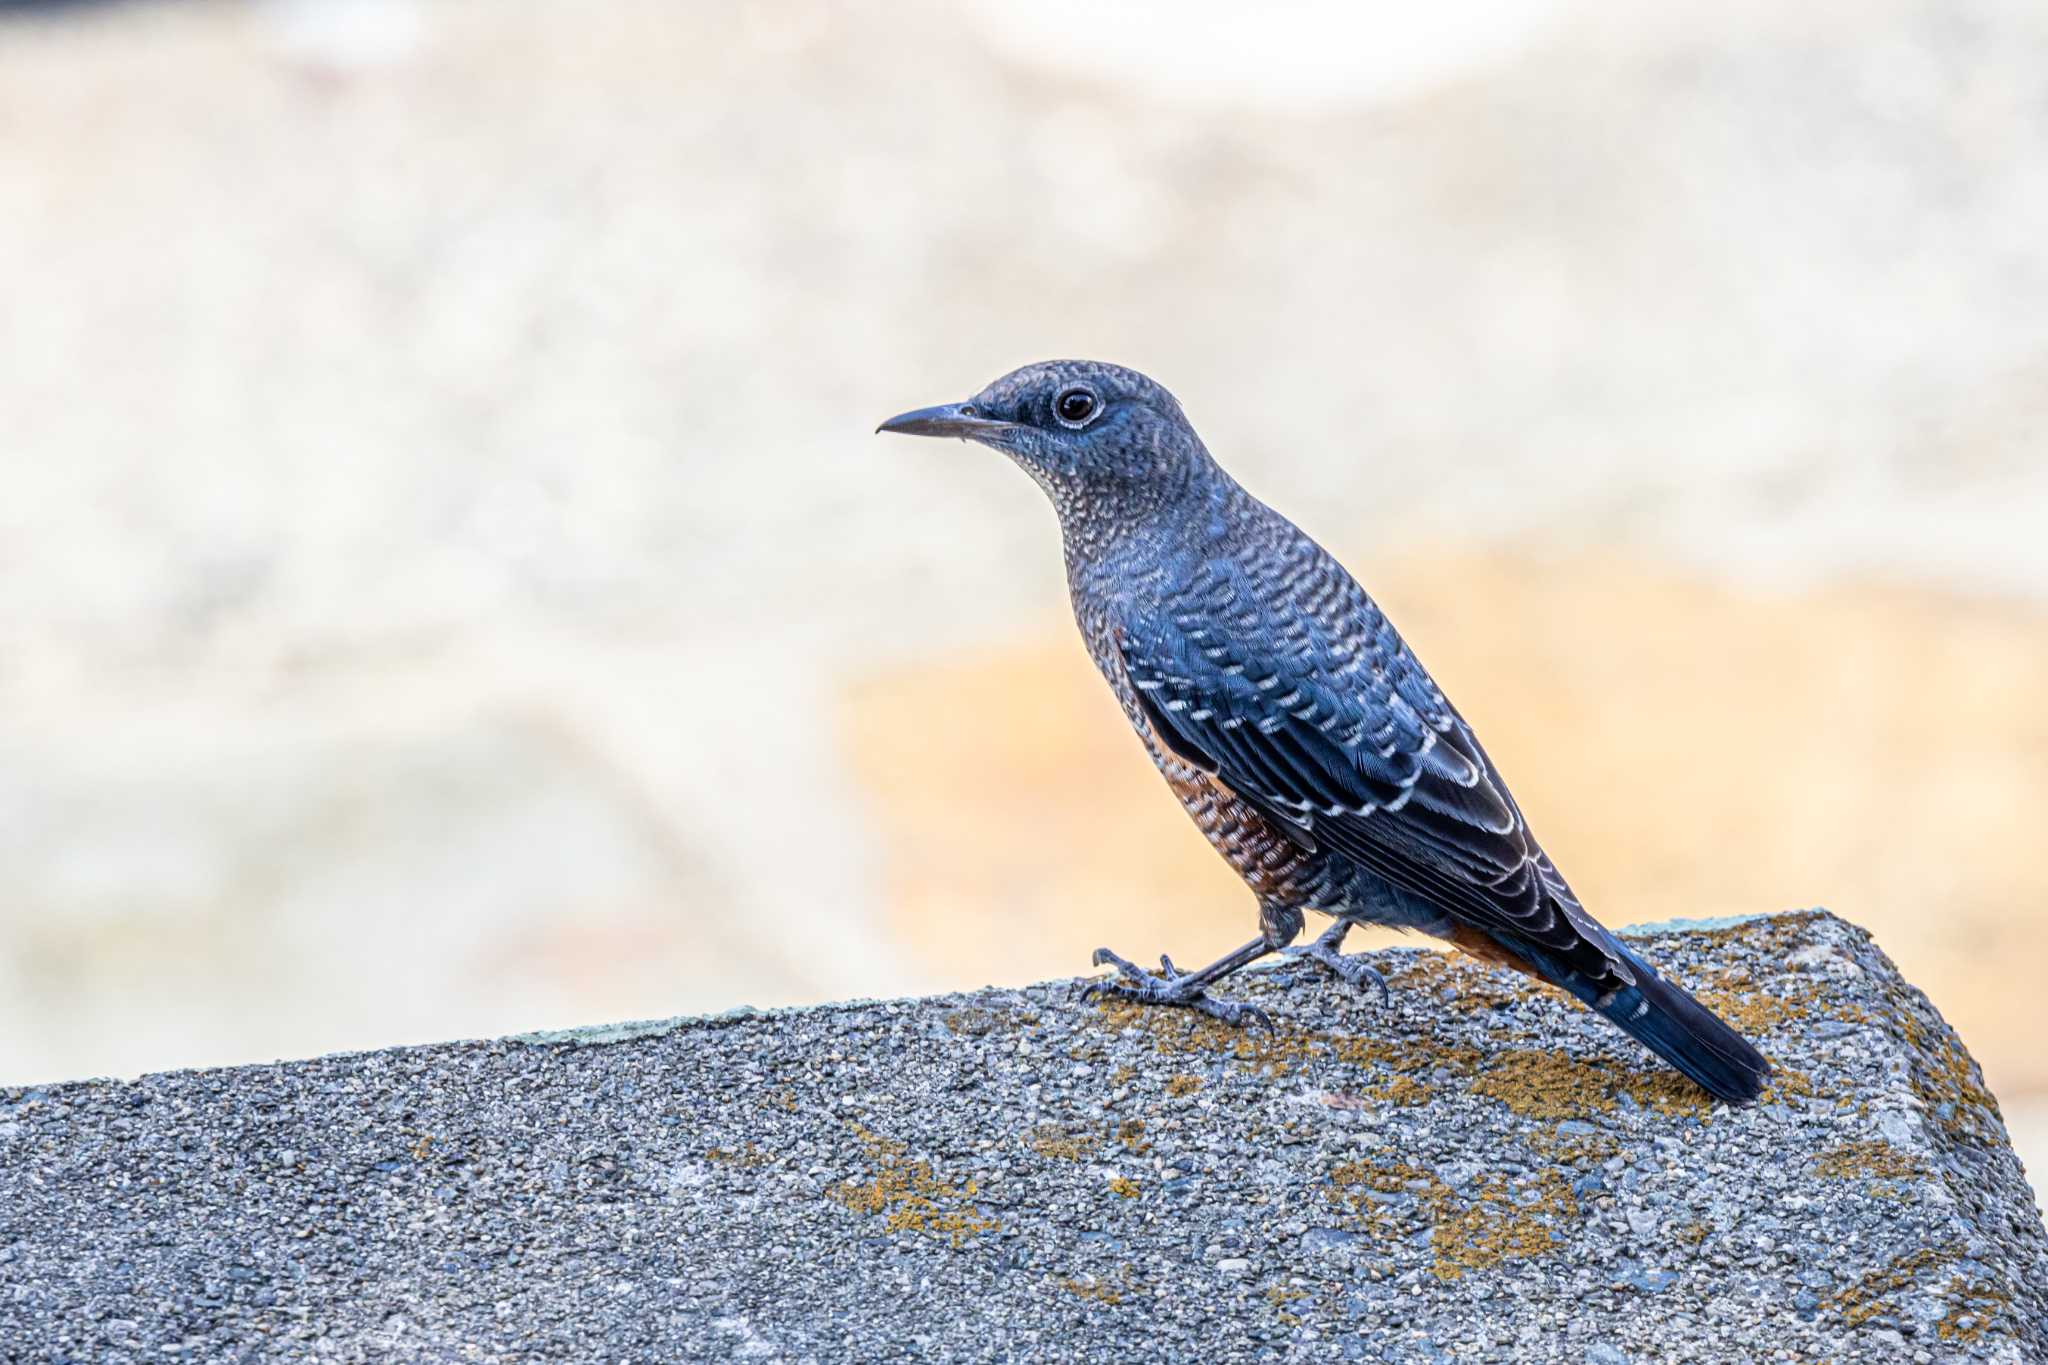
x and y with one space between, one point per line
1314 751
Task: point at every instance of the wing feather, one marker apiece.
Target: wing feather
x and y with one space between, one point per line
1384 772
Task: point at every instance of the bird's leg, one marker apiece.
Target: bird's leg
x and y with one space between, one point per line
1354 969
1171 986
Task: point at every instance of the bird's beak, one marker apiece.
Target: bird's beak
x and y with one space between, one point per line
948 419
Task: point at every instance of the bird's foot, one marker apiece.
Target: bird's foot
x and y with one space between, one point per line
1169 986
1351 968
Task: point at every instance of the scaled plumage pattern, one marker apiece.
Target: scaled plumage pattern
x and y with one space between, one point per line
1309 744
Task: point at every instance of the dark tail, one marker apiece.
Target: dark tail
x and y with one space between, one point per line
1676 1027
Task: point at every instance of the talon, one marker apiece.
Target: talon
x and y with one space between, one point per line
1233 1012
1353 970
1104 956
1166 965
1358 972
1171 989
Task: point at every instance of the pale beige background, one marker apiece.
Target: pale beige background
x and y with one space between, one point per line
447 585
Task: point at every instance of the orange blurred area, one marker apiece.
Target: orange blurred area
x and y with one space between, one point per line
1684 749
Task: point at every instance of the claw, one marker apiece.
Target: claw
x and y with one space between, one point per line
1351 969
1172 987
1238 1013
1235 1013
1104 957
1100 986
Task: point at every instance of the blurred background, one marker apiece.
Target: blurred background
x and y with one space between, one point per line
448 585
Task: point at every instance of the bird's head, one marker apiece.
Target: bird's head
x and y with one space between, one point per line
1091 434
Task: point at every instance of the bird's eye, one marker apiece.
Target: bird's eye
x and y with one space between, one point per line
1075 406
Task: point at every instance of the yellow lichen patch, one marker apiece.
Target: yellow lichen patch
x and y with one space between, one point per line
1403 1090
1404 1056
1125 1074
1754 1008
909 1195
1500 1224
1947 1080
1751 1013
1051 1140
1546 1084
1131 1133
1542 1084
1110 1290
1874 1159
1278 1298
1096 1291
1354 1175
1692 1234
1124 1186
877 1144
1864 1299
1173 1032
1550 1084
746 1158
1280 1049
971 1022
1581 1150
1177 1086
1971 1309
1785 1084
1499 1221
1666 1093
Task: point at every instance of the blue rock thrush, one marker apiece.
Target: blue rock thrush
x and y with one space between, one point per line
1281 706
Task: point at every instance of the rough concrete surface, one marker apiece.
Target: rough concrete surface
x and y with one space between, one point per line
1474 1172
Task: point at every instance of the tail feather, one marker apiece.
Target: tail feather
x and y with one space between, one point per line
1676 1027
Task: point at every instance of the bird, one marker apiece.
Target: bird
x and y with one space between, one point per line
1295 725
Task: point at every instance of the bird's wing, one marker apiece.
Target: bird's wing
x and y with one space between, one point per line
1361 753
